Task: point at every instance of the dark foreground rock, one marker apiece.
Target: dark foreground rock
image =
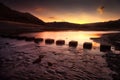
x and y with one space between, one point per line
113 61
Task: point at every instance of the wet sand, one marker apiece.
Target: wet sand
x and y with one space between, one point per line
17 62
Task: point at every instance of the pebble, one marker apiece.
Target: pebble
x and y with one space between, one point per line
20 57
60 71
38 60
51 71
49 63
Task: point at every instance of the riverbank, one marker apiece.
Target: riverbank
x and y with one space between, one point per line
18 62
9 27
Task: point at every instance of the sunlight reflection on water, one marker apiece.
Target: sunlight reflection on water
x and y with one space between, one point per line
80 36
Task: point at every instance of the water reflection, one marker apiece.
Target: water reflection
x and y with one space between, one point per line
80 36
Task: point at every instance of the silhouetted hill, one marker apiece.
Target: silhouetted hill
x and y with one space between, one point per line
65 25
8 14
110 25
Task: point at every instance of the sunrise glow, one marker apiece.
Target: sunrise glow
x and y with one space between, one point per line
78 17
73 11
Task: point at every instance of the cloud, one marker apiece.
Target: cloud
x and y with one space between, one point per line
100 9
40 9
55 18
52 17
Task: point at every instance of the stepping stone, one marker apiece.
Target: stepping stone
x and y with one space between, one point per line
87 45
104 48
49 41
60 42
73 44
37 40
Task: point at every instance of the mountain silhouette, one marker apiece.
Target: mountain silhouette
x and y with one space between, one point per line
109 25
8 14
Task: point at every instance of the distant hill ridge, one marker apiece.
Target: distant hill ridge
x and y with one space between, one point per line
109 25
9 14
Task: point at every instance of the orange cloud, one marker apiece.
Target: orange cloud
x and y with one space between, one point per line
52 17
40 9
101 9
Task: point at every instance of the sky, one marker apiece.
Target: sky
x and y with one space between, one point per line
74 11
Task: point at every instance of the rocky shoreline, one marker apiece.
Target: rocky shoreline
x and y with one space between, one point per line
112 57
113 61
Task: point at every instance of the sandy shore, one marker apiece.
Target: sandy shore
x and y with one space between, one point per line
58 62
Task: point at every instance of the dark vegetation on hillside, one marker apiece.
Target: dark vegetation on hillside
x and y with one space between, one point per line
110 25
8 14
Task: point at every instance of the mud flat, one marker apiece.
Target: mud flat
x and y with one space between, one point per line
21 60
